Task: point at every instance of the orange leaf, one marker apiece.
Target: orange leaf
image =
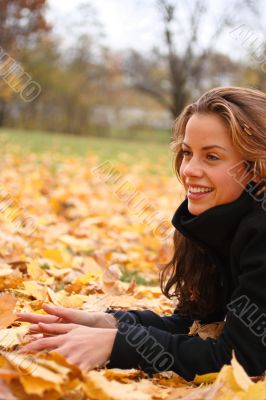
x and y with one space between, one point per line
7 305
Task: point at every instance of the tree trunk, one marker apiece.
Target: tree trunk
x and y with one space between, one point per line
2 112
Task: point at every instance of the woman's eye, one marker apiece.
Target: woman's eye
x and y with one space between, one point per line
185 152
213 157
209 156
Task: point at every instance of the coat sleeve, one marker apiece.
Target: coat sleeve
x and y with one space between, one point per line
176 323
154 349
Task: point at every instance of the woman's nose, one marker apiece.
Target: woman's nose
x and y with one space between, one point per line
193 168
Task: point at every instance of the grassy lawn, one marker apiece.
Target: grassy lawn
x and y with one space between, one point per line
155 153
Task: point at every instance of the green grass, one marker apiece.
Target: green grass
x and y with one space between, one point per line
130 151
140 280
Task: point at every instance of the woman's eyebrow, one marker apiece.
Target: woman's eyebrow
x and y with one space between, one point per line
210 146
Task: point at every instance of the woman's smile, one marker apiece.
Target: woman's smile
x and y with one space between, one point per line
207 155
194 195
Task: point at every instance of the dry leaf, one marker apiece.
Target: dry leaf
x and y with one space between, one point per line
205 331
240 374
12 337
169 378
97 386
206 378
124 375
35 290
37 374
85 236
7 306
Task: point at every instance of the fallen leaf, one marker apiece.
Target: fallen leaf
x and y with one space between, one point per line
12 337
7 306
205 331
206 378
35 290
240 374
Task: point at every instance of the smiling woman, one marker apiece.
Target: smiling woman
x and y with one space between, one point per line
218 269
203 170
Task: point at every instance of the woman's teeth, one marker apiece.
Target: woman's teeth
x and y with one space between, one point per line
199 190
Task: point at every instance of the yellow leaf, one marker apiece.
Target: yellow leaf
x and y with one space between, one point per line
35 290
53 296
10 279
59 257
90 277
33 365
73 301
12 337
123 375
206 378
226 376
34 271
240 375
34 385
99 387
7 306
256 392
37 374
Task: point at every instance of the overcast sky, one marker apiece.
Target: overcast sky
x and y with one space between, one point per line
126 23
136 23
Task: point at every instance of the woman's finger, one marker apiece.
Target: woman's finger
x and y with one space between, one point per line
42 344
63 350
35 318
57 329
34 328
61 312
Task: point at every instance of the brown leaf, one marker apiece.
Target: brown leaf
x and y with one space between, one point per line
205 331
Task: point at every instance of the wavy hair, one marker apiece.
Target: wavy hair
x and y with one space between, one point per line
243 110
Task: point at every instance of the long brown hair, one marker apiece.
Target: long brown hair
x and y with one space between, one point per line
243 110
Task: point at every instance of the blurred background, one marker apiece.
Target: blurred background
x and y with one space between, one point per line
89 91
122 69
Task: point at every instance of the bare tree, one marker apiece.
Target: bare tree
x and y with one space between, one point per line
21 24
177 75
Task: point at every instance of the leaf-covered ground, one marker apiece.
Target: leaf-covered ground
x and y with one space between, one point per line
89 234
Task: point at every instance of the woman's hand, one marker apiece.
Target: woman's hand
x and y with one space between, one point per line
83 346
69 315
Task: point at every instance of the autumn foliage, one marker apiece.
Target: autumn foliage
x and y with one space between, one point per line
86 249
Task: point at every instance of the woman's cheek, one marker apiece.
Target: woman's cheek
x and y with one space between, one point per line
181 171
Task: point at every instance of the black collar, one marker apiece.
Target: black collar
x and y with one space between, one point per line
216 226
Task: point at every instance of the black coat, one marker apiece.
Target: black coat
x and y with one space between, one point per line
234 235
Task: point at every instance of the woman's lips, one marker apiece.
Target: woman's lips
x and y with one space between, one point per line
199 195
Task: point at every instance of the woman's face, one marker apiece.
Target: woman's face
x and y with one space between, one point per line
202 167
